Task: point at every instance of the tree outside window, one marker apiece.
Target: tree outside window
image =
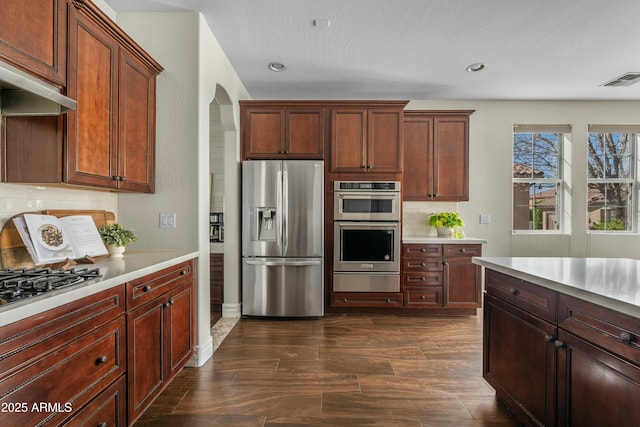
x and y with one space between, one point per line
611 176
537 177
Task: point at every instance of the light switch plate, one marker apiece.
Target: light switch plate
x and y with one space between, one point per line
167 220
485 219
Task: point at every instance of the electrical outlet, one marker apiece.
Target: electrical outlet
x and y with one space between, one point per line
167 220
485 219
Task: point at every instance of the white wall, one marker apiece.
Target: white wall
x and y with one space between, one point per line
491 130
194 65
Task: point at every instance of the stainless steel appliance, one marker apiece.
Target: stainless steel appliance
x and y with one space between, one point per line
19 284
283 238
366 256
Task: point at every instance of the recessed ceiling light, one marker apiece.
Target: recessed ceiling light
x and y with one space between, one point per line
277 66
474 68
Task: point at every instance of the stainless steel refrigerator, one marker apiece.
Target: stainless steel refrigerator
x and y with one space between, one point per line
283 238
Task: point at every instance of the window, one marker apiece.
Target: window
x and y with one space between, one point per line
537 177
611 177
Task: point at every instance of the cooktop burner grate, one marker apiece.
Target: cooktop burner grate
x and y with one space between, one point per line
18 284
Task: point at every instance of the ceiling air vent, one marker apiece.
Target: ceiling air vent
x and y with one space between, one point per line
626 79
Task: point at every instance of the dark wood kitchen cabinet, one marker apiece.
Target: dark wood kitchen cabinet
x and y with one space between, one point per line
108 142
367 138
272 130
441 276
557 360
436 155
111 135
33 37
161 326
519 353
72 357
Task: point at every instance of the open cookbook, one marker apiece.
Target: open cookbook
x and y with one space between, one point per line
49 239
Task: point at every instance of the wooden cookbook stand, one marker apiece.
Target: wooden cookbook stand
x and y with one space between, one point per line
14 254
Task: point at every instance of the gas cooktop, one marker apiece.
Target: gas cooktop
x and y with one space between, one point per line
19 284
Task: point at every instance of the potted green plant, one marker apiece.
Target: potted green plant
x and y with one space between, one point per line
116 237
445 222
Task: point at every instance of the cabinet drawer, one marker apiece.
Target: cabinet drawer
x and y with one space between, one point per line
615 332
423 296
462 250
369 299
107 409
532 298
416 250
422 278
74 374
54 329
147 288
421 264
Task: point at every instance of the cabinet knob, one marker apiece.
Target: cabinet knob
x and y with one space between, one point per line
463 250
115 178
388 300
423 250
422 297
548 338
558 344
183 272
422 264
103 424
102 359
424 279
168 303
513 291
625 337
123 178
146 288
345 299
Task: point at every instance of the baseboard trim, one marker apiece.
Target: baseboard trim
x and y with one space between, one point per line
231 310
201 353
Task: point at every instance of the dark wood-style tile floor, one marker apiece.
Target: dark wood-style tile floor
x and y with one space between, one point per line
350 370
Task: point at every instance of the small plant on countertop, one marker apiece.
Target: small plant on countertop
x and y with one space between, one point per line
447 224
116 235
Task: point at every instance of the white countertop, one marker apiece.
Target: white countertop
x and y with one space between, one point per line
610 282
115 271
442 240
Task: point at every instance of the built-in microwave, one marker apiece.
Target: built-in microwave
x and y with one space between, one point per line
366 201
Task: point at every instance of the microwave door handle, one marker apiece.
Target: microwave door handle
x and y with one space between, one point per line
367 224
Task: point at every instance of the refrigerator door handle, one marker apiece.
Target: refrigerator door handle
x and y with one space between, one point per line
285 208
280 212
277 262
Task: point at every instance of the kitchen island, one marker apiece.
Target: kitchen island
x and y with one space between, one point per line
561 342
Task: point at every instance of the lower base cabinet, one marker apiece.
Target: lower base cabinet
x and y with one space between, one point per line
557 360
160 333
94 363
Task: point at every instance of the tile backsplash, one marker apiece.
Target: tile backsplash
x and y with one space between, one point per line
415 217
18 198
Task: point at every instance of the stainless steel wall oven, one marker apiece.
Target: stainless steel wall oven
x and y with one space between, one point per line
366 236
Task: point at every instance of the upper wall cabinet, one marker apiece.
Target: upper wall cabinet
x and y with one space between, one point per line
275 131
33 36
436 155
108 142
367 138
111 135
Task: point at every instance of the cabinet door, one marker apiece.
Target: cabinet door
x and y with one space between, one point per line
33 36
92 128
595 388
349 140
263 133
519 360
179 327
418 152
146 372
451 158
462 283
304 133
384 149
137 124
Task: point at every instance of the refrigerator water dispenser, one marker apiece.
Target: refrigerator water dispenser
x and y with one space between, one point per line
263 227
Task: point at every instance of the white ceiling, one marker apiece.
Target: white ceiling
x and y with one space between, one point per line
419 49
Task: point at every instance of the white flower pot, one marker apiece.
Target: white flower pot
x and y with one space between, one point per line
115 251
444 231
